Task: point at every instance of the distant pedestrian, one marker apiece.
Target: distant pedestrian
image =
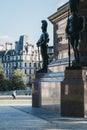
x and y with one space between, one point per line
14 94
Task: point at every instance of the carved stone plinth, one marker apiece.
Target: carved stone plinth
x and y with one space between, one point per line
74 93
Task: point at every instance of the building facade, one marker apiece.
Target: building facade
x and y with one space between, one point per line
23 57
60 43
58 20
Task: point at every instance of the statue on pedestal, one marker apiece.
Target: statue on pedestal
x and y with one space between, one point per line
73 29
42 43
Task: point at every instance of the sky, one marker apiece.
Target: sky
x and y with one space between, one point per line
23 17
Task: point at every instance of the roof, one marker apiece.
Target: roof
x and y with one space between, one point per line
10 52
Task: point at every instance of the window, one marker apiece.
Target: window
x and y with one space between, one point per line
30 65
4 65
16 57
16 64
25 71
8 57
7 65
34 64
25 64
29 71
20 64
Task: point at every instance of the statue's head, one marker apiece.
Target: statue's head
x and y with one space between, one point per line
44 22
44 25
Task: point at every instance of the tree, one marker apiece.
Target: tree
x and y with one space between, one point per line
18 80
3 79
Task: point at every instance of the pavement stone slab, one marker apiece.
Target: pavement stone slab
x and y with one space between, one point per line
28 118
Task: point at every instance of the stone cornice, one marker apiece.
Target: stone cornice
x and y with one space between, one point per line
60 11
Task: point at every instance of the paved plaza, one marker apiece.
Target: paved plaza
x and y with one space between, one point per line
27 118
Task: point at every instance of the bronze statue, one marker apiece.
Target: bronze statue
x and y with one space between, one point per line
73 29
74 5
42 43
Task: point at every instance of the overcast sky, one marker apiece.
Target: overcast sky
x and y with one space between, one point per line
19 17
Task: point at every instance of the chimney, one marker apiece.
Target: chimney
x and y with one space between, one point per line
8 46
1 47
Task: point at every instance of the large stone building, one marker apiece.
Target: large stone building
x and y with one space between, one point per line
23 57
59 20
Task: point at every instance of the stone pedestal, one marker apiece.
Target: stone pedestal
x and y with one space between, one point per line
36 95
74 93
46 91
36 91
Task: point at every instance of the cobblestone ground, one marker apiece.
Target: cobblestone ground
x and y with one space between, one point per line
28 118
13 119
